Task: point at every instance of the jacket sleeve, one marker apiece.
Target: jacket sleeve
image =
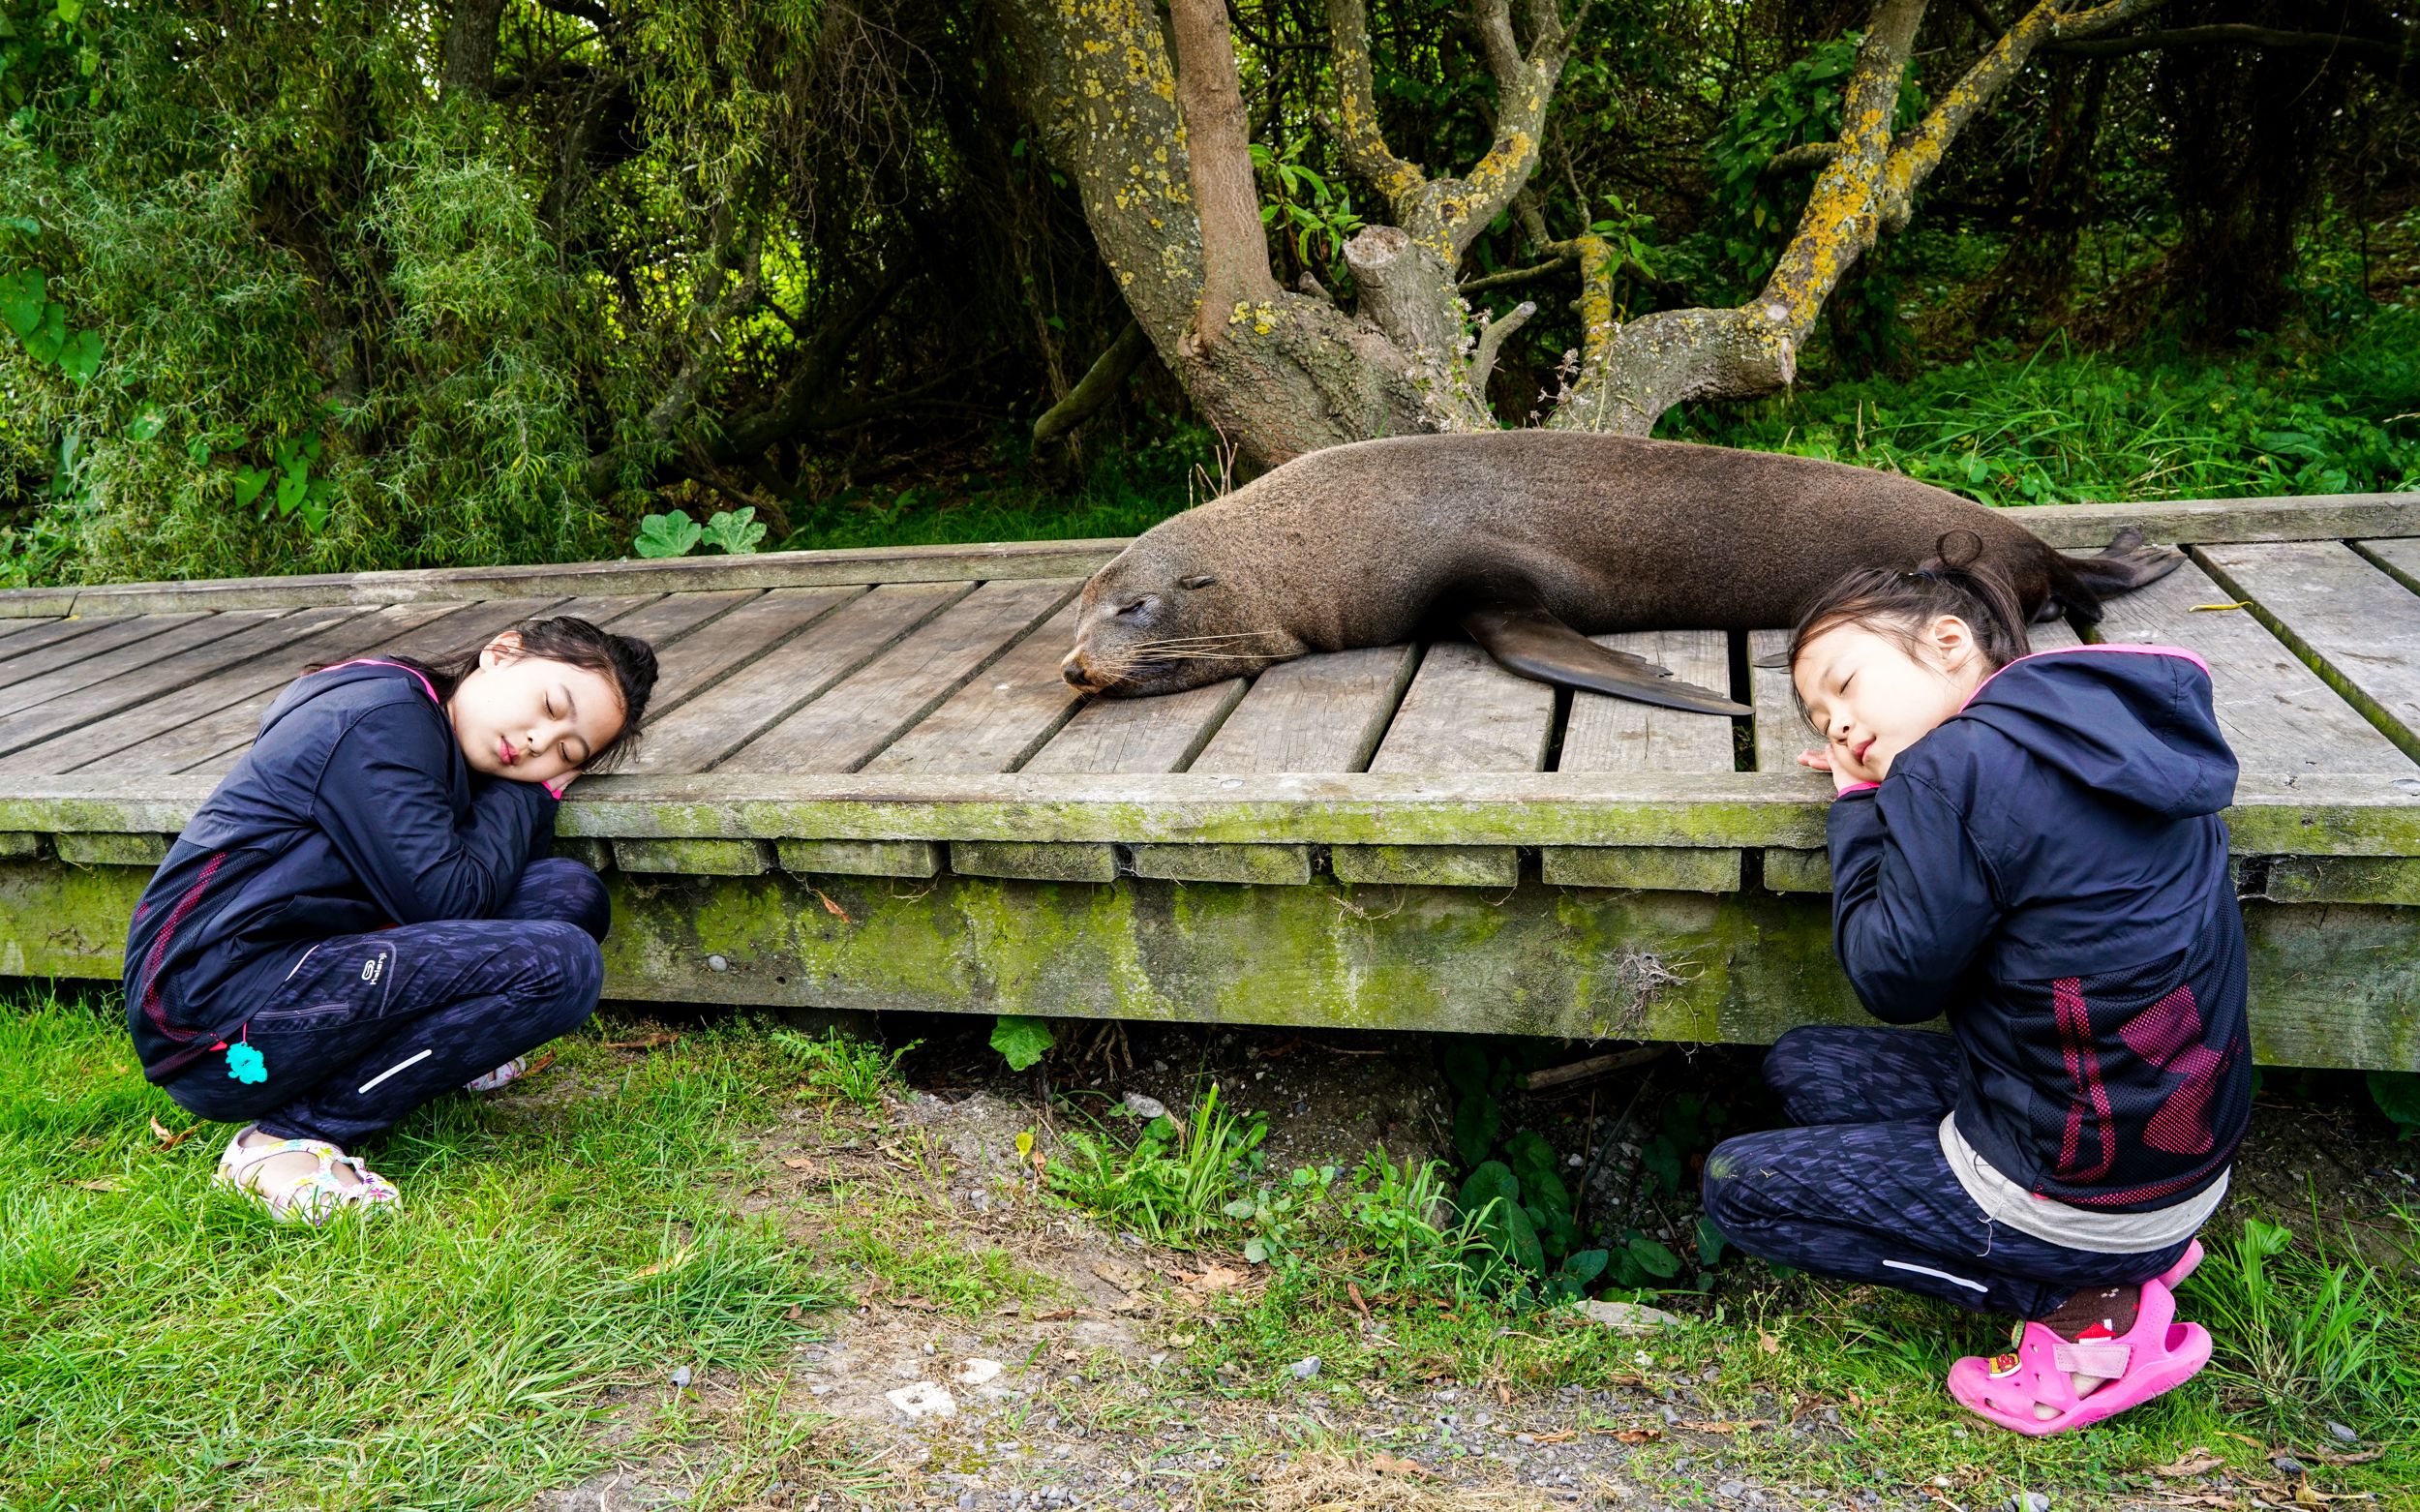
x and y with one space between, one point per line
384 800
1912 899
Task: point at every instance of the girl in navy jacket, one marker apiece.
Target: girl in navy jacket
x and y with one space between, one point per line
2030 845
354 922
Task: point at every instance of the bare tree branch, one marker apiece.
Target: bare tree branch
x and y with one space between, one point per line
1913 157
1492 341
1097 387
1234 248
1357 132
2368 49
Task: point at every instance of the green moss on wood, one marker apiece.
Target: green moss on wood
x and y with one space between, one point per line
1428 865
1661 867
697 858
1798 871
101 849
1270 866
1038 862
860 857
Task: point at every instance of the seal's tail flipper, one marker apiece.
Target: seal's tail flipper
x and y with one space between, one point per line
2078 584
1531 642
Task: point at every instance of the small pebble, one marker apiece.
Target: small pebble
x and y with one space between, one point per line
1732 1489
2343 1432
2287 1465
2029 1501
1305 1368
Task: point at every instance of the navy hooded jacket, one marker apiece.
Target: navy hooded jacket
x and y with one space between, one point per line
2048 867
352 811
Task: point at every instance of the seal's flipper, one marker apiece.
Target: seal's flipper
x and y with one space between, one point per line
1531 642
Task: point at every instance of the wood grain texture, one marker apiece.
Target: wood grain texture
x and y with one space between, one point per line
853 719
1139 734
2277 713
997 721
2357 626
1321 713
108 650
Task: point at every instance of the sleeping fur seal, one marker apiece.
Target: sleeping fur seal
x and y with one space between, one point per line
1531 541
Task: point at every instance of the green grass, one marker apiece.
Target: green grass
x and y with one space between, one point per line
162 1343
2057 426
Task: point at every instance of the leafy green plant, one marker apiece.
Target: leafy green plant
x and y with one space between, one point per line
1174 1183
2298 1332
673 533
1020 1040
843 1066
1300 204
2397 1094
40 326
1403 1216
1277 1213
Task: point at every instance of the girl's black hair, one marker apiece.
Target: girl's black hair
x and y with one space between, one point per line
1901 604
623 660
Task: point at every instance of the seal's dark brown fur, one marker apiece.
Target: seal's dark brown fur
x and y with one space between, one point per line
1363 545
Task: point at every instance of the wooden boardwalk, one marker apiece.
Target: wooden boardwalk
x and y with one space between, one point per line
865 785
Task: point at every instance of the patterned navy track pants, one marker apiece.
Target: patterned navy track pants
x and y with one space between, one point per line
1864 1192
368 1027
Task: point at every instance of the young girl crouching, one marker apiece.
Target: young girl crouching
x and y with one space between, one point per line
354 922
2029 844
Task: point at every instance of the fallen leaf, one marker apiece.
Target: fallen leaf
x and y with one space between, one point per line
1217 1278
830 907
1055 1315
2195 1460
670 1262
1389 1464
797 1314
1724 1425
800 1165
1632 1435
167 1140
2203 609
1353 1290
1767 1343
1564 1435
652 1041
1504 1393
98 1184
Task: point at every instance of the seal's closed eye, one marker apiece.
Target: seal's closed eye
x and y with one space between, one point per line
1201 579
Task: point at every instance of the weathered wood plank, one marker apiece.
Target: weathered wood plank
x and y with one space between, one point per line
1107 735
1621 734
424 632
999 720
2326 815
675 614
860 857
157 689
2359 627
1322 712
2329 986
2399 558
47 633
1138 735
1781 733
695 858
193 633
143 848
698 733
856 717
114 645
2305 518
11 629
696 663
2281 719
214 714
2344 879
856 567
1463 713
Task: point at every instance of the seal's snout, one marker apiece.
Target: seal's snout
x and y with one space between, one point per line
1079 672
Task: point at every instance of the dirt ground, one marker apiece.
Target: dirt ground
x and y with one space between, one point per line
1080 1394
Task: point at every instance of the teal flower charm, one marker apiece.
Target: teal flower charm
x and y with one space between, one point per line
245 1064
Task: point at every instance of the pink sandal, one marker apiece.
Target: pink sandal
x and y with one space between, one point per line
2158 1355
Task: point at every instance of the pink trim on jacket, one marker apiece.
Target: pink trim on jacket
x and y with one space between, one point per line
373 661
1854 787
2070 651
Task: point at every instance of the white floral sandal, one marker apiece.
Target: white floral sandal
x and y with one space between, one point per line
313 1199
500 1077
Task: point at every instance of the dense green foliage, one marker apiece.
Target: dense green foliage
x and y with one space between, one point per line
338 286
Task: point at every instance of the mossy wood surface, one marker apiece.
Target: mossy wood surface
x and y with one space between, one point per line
868 786
2330 986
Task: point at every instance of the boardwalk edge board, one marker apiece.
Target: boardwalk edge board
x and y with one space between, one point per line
2203 521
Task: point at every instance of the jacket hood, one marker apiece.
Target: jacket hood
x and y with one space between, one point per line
2135 722
313 686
